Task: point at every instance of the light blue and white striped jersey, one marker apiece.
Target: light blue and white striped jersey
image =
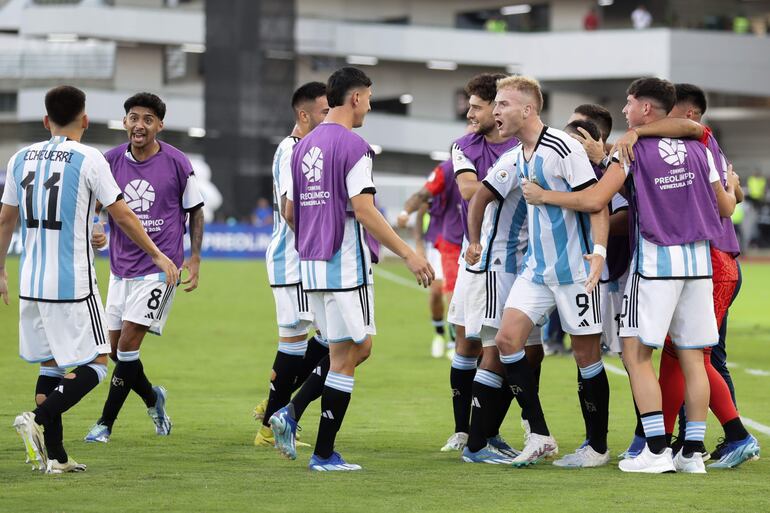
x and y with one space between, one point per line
351 266
504 231
56 184
281 256
558 237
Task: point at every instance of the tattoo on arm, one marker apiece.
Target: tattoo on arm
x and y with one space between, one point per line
196 231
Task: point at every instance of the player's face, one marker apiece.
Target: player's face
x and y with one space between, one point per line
509 112
685 111
361 105
142 126
317 111
480 115
634 111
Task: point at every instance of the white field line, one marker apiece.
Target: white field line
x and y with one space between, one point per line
620 371
757 372
395 278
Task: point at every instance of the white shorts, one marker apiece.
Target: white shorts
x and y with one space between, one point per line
344 315
70 333
456 313
612 305
143 302
580 313
434 259
292 309
682 308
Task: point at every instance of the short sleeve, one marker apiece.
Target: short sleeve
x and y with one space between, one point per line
575 168
707 134
713 172
284 172
9 193
626 167
359 178
436 183
460 161
502 177
101 181
192 197
618 203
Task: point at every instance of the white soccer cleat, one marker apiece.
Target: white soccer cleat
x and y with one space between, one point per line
456 442
527 431
584 457
649 463
437 346
692 465
54 467
31 434
537 448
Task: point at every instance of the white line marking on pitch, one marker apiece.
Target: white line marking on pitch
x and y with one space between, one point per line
395 278
753 424
620 371
757 372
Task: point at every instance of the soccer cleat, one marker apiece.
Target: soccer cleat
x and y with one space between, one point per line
649 463
499 443
456 442
331 464
636 447
98 433
285 433
678 442
54 467
158 413
31 434
264 437
737 452
437 346
719 450
583 457
525 427
488 454
259 410
692 465
537 448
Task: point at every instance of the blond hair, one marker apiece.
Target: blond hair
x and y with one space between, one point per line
526 85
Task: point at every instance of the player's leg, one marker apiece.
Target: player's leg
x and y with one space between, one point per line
671 380
436 302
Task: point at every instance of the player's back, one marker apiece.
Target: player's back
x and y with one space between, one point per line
281 256
57 183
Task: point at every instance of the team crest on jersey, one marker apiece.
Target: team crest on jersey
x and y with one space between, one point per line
312 164
139 195
672 151
502 176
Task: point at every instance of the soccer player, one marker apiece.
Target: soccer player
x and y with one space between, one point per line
337 228
441 187
160 185
472 156
54 186
558 273
427 246
497 235
677 197
297 354
738 445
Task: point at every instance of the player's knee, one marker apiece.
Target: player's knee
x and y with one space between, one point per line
364 351
40 399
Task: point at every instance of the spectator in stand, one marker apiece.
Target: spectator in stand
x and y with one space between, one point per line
591 19
641 18
262 215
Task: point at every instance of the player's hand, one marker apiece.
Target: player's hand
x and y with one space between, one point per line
192 265
732 177
402 219
421 269
533 193
4 285
98 239
473 253
595 272
165 264
625 147
594 148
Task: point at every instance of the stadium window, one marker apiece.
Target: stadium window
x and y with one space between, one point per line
537 19
461 105
8 102
390 106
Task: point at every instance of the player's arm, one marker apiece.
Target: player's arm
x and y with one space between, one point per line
736 183
478 204
196 242
600 228
419 243
468 183
371 218
667 127
127 221
619 222
9 214
725 195
288 213
592 199
413 204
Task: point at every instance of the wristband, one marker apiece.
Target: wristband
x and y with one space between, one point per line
600 250
605 162
404 213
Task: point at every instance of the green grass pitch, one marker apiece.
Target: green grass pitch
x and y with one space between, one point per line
215 360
